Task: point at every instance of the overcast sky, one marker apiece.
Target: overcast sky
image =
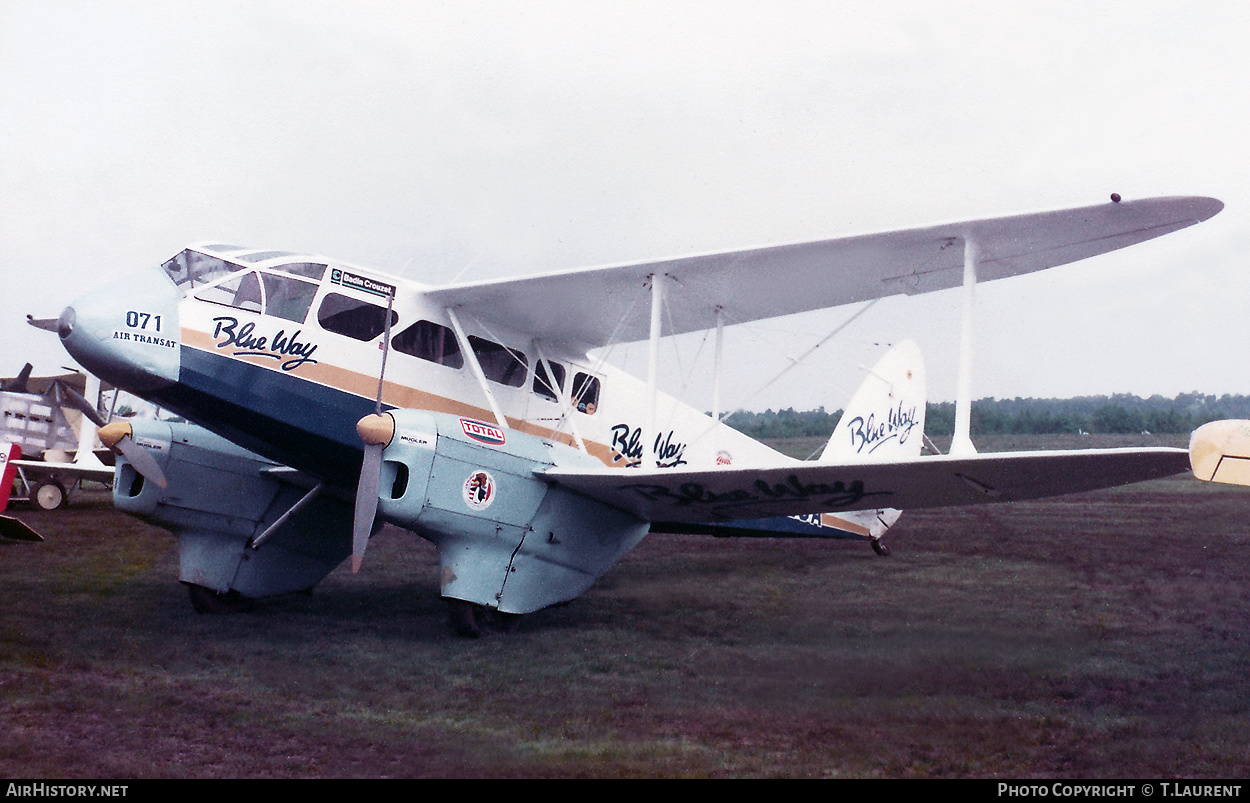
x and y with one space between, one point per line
466 139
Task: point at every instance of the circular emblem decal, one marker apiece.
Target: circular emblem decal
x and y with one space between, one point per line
479 490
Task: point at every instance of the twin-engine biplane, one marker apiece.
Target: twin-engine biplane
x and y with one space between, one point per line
325 399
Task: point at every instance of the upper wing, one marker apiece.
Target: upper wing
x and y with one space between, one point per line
584 307
938 481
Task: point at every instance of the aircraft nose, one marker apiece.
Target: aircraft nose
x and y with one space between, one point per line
127 332
65 323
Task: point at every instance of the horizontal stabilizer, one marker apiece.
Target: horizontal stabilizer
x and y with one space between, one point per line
825 525
1220 452
719 495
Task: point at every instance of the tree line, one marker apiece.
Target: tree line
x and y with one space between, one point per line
1116 414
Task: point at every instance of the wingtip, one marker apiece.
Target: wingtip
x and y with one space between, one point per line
1207 208
1195 207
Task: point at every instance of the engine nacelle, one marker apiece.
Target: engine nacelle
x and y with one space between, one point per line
219 498
507 539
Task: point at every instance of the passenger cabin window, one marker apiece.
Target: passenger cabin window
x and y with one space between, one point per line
548 386
430 341
352 317
500 363
586 392
265 293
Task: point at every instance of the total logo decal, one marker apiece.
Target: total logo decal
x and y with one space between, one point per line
479 490
481 432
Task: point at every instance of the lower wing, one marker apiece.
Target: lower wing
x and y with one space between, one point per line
675 495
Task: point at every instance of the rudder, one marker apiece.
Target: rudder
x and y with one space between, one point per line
883 421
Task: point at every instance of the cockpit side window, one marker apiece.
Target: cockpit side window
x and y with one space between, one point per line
309 270
352 317
288 297
191 269
261 256
241 292
265 293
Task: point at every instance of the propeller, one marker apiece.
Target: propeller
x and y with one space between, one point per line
118 436
376 430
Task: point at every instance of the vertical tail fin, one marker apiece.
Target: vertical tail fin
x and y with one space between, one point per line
8 471
883 421
885 418
10 528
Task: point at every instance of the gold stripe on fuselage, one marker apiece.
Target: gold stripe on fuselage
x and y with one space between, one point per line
403 396
831 520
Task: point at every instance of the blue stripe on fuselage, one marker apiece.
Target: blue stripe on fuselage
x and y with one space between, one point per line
301 424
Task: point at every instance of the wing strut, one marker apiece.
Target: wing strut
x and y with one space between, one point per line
566 409
653 360
718 359
471 356
295 508
961 444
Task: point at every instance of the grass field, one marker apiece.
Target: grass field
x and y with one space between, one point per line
1102 635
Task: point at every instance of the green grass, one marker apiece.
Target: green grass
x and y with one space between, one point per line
1104 635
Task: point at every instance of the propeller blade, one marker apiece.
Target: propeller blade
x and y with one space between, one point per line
120 438
376 431
65 394
366 502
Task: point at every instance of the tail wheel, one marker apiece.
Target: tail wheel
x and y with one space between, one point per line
49 494
474 621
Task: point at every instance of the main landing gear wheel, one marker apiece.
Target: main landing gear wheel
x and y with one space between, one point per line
206 600
474 621
49 495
